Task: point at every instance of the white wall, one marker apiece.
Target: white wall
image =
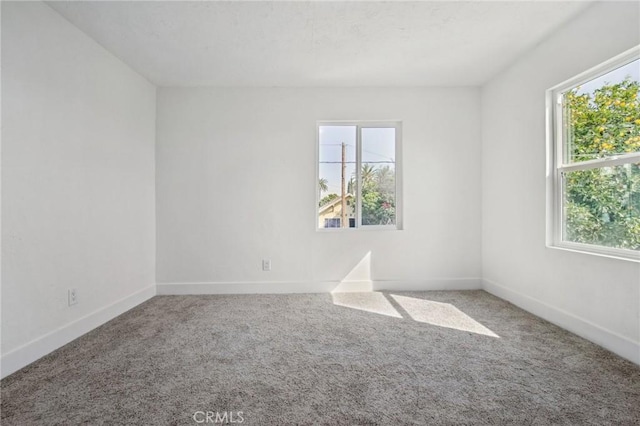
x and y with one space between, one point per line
236 184
596 297
77 183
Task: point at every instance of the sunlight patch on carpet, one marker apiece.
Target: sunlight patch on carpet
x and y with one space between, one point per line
440 314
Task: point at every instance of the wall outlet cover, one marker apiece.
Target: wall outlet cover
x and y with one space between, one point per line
73 296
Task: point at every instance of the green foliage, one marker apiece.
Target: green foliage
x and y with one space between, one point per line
602 205
327 199
378 195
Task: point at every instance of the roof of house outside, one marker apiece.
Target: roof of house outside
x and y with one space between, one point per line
333 203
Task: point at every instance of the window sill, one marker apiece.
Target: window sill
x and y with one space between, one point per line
360 229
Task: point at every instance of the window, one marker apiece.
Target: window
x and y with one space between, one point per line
332 222
594 158
358 175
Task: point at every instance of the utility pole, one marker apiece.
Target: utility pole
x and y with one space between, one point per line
343 213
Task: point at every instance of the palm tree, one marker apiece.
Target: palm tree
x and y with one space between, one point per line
323 186
367 174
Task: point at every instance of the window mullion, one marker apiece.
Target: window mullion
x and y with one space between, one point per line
558 155
358 194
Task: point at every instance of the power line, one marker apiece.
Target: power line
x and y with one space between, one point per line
379 155
364 150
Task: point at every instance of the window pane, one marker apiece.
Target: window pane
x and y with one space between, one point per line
378 176
602 116
602 206
336 182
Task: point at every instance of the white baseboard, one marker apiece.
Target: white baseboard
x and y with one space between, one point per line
279 287
30 352
429 285
610 340
238 287
353 287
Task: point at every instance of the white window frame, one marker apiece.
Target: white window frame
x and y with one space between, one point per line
359 125
556 164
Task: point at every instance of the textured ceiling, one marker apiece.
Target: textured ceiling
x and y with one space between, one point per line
318 43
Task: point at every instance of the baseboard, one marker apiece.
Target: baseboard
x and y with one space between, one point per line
610 340
353 286
238 287
280 287
429 285
30 352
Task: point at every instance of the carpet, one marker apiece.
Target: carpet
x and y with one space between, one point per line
414 358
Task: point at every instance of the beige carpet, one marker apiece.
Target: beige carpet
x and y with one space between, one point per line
361 359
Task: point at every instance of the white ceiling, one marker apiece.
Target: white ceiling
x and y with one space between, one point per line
345 43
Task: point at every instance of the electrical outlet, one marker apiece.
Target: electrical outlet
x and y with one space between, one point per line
73 296
266 264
